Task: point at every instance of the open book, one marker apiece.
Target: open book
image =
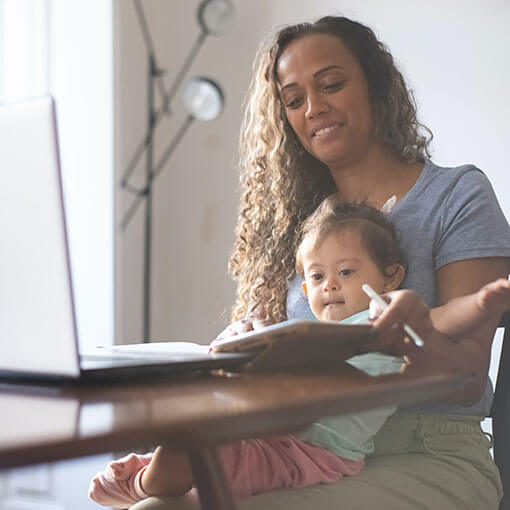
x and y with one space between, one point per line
154 349
289 345
298 344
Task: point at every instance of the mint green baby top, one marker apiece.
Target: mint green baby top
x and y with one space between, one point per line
350 435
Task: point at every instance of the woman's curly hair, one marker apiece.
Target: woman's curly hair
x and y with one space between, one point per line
281 183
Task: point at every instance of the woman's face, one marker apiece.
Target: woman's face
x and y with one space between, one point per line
325 96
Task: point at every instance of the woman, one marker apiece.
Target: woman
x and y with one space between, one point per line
329 111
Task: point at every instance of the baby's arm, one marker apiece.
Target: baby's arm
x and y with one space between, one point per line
467 313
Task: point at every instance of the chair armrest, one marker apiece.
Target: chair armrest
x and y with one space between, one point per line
504 322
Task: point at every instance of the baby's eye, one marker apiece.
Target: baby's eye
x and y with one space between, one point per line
316 276
346 272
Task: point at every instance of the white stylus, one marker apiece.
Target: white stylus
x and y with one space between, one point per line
372 294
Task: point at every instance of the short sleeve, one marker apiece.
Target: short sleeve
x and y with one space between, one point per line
297 304
473 224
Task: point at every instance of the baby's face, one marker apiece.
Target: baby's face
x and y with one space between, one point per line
334 270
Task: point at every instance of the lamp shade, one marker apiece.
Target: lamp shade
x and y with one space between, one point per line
203 98
215 16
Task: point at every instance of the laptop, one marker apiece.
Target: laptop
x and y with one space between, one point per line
38 332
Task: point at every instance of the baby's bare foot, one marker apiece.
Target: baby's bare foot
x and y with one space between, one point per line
127 466
118 484
495 296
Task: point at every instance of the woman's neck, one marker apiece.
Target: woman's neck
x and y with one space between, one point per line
375 178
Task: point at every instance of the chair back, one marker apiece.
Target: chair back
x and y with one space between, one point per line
500 413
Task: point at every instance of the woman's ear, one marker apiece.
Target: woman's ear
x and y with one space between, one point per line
303 286
396 274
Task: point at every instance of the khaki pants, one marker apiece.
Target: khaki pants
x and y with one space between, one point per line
420 462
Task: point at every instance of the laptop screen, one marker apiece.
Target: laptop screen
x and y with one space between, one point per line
37 320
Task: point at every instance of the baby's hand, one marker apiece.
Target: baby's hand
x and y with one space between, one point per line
495 296
242 326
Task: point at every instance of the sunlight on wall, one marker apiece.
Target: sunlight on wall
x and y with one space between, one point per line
64 47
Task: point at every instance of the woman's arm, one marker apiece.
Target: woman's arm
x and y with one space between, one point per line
474 350
462 315
469 354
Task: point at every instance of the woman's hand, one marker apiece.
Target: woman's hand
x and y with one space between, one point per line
405 306
242 326
439 351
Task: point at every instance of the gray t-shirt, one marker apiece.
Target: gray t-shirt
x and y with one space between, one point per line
450 214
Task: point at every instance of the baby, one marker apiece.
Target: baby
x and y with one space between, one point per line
342 246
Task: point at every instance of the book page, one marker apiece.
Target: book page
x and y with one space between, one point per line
151 349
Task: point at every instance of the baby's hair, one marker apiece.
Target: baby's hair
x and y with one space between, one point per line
377 233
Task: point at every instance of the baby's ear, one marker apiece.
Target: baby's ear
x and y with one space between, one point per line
303 286
396 274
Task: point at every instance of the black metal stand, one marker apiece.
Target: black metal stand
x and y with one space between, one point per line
153 74
155 80
151 172
147 145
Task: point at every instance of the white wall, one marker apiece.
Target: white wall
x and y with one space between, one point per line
455 54
81 80
46 47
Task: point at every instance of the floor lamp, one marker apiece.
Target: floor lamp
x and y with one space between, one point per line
202 98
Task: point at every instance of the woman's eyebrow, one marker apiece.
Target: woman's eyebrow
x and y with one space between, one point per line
317 73
326 69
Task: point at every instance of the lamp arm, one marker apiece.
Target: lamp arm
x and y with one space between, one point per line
149 45
168 96
133 189
142 193
171 147
132 209
184 69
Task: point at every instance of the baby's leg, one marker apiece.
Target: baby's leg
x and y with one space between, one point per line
168 474
251 466
118 485
261 465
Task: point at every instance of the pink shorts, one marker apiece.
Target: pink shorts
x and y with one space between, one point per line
261 465
251 466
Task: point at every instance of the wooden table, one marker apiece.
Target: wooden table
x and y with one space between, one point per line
196 412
